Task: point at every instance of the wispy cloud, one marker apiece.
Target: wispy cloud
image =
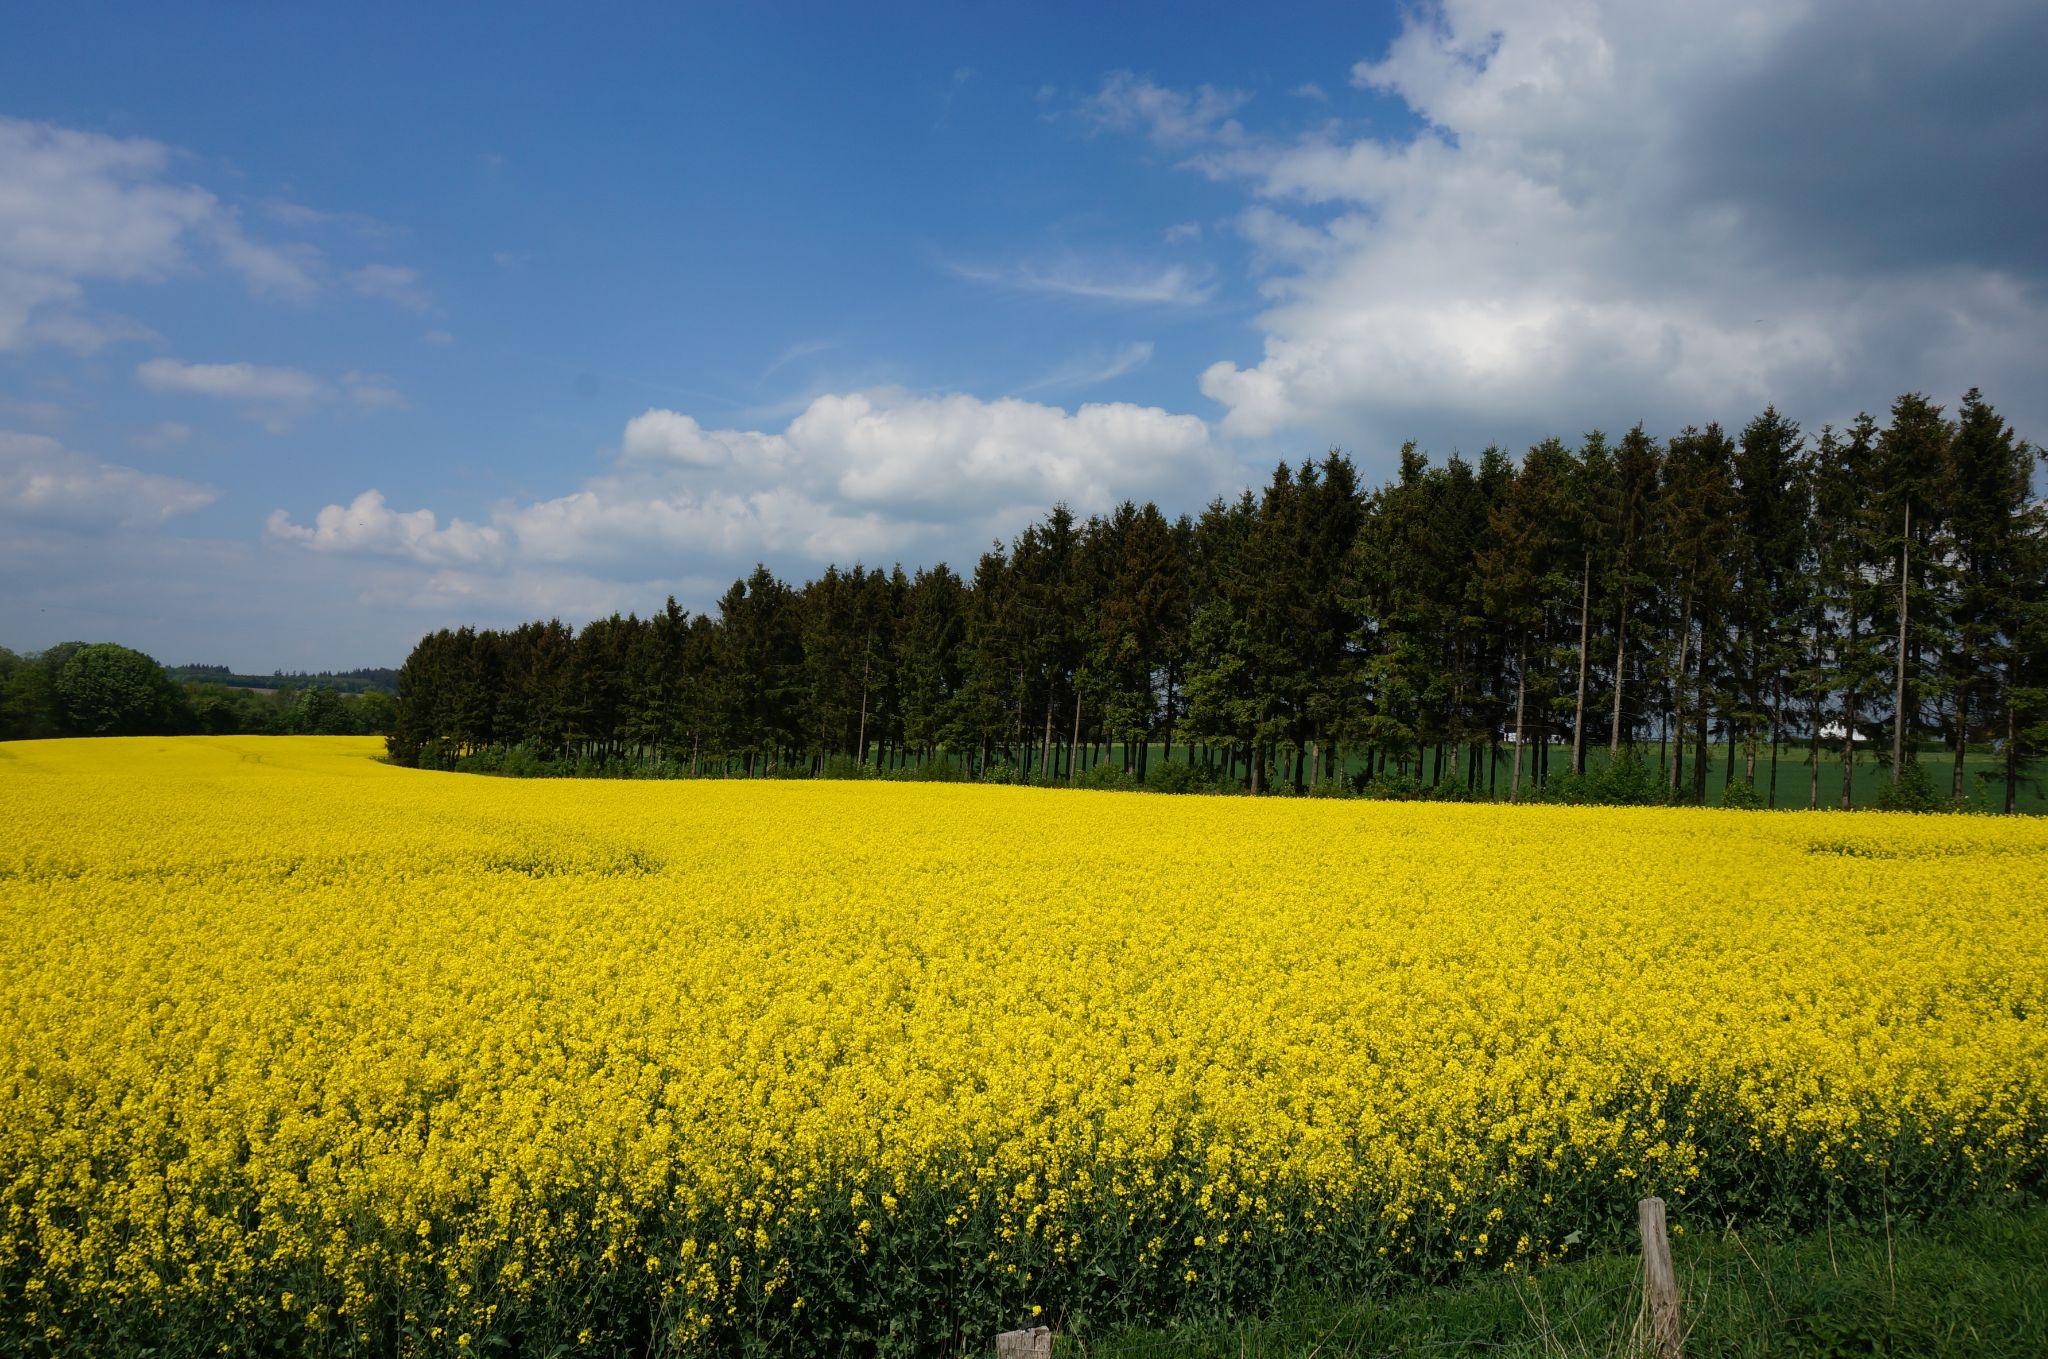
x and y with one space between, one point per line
392 283
43 484
231 381
1171 118
802 349
1169 285
163 436
300 217
273 396
1091 369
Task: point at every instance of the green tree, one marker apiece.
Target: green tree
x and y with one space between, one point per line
109 690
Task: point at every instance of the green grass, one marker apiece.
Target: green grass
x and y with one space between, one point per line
1975 1284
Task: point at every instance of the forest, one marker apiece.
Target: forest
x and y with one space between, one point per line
1602 622
105 689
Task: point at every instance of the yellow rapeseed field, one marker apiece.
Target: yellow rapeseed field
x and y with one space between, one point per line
301 1051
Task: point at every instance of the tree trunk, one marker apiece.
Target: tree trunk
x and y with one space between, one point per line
1899 690
1777 734
1521 696
2012 739
1585 631
1074 748
860 749
1849 698
1962 742
1620 671
1045 742
1699 766
1813 757
1849 750
1167 754
1678 697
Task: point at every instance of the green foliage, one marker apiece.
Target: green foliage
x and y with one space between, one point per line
1626 781
1742 796
1109 777
1394 786
109 690
845 767
1169 776
1913 791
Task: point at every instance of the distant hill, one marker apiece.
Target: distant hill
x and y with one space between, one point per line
380 679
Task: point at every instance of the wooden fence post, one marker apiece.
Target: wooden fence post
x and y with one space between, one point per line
1660 1284
1035 1343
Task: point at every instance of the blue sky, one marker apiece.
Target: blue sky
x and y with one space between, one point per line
321 328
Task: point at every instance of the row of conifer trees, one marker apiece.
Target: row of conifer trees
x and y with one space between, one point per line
1470 627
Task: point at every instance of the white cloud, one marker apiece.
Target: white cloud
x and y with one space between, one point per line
1182 232
250 382
46 485
285 272
78 208
862 475
1597 221
392 283
664 436
437 337
368 525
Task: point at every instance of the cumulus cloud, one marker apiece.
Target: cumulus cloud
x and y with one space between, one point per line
43 484
861 475
366 524
665 436
1604 214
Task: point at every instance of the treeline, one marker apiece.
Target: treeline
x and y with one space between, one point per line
103 689
381 679
1475 628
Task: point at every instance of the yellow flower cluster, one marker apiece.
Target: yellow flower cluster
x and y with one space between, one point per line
301 1051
